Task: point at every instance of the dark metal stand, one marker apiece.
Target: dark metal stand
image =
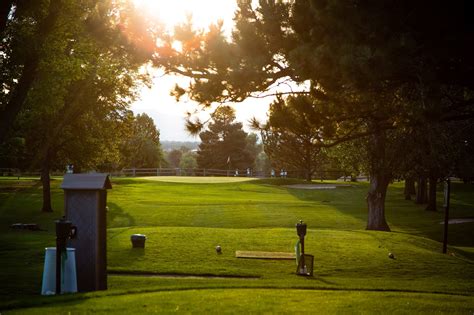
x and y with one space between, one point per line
301 231
64 231
447 192
302 264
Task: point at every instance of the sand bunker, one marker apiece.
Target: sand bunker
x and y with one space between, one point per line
459 221
317 186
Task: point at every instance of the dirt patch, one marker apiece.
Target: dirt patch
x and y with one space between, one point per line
265 255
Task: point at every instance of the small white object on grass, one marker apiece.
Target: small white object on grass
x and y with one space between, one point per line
390 255
218 249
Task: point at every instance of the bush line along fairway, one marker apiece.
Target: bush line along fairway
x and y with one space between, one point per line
185 218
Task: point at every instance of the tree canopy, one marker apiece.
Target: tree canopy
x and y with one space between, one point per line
291 138
224 145
140 148
376 66
69 71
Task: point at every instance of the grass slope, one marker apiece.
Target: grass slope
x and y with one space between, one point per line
185 218
288 300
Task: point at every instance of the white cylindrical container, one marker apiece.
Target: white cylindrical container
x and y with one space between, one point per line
68 272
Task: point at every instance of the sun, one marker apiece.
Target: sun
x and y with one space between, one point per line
203 12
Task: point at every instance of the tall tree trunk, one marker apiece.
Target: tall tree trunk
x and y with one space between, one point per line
421 192
308 162
376 203
433 181
409 188
45 180
379 180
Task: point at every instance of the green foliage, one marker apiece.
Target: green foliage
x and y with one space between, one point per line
85 76
263 163
12 152
435 149
71 71
376 66
225 145
173 158
351 156
295 135
464 166
188 161
141 146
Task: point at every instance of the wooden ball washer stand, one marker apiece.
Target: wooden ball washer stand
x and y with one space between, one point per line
303 261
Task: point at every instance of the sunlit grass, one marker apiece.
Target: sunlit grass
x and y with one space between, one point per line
184 221
246 301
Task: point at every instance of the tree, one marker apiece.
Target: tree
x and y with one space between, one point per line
351 156
263 164
188 161
464 165
23 44
371 62
291 137
68 93
174 158
224 145
141 148
432 152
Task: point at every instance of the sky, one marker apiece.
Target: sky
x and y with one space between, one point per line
169 115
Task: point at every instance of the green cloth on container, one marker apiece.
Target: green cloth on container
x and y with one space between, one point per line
297 251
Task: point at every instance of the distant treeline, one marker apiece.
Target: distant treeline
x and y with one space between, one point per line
176 145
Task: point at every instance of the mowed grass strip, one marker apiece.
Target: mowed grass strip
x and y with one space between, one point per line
218 301
343 259
233 205
184 221
267 203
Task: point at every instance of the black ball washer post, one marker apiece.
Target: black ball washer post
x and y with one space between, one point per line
301 231
64 231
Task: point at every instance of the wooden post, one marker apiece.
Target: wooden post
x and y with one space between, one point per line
85 199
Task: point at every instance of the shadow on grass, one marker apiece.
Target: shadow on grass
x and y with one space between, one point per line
23 204
467 254
403 215
118 217
135 253
348 201
458 234
430 224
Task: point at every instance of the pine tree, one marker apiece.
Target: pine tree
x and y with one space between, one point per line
224 144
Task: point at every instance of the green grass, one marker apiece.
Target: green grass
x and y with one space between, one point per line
283 300
185 218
